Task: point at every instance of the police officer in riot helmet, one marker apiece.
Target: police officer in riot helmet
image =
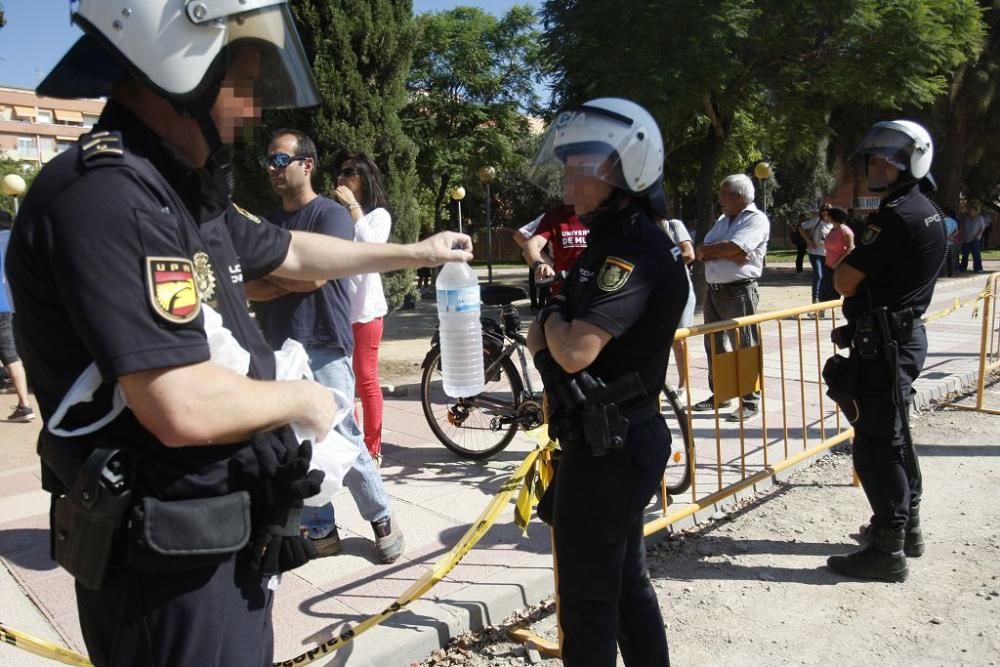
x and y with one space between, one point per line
177 483
602 348
888 282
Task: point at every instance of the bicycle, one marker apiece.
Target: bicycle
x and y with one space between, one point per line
480 426
483 425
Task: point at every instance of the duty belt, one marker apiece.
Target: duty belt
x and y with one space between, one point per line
736 283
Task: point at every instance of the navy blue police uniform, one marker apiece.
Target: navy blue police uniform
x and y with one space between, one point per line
630 282
900 251
119 243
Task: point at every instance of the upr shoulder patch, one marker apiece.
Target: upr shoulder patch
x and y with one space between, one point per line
173 291
614 274
246 214
871 233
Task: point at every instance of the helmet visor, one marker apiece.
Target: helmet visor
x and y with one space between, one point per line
283 78
893 146
584 142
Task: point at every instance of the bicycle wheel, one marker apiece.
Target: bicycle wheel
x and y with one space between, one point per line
472 427
680 465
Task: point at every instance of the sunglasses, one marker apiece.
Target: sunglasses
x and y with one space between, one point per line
282 160
347 172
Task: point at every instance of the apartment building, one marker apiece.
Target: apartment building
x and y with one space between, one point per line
34 129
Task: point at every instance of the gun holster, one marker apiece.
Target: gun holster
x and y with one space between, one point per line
87 521
604 425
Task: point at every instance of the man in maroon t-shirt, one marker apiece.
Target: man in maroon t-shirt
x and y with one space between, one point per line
562 228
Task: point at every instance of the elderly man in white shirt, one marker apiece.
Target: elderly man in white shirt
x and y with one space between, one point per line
733 254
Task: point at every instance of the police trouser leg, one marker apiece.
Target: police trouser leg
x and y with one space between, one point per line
882 459
218 616
604 592
641 638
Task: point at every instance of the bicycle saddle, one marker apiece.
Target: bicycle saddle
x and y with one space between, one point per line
501 295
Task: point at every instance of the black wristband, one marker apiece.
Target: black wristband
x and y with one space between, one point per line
547 311
536 264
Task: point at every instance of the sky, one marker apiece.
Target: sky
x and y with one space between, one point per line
38 33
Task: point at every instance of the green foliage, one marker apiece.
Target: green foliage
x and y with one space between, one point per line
967 122
360 54
472 77
760 74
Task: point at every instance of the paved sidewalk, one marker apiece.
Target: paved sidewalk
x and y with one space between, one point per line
435 498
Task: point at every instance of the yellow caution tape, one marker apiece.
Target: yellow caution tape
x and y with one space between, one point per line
536 480
440 570
539 478
41 647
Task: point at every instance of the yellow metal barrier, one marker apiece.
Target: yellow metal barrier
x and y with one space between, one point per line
796 380
754 358
989 343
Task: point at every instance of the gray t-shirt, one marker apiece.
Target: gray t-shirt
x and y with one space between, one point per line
973 228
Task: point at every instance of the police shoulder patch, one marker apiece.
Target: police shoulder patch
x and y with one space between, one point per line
246 214
614 274
871 233
173 291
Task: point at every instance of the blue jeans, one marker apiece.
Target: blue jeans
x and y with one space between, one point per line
332 368
817 262
973 247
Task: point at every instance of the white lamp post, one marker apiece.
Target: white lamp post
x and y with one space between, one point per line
14 186
763 172
458 194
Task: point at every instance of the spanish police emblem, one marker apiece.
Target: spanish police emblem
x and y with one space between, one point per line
173 293
871 233
204 277
614 274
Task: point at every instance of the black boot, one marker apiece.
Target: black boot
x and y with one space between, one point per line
881 559
913 544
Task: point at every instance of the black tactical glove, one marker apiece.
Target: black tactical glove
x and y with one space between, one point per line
556 304
284 481
564 397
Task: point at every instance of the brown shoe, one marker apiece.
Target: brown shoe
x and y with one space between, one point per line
329 545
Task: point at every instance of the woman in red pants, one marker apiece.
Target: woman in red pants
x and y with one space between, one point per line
360 189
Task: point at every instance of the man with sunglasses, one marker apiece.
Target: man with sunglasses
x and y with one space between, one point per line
318 315
177 485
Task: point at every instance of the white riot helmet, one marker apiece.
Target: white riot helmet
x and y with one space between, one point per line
619 132
903 144
180 49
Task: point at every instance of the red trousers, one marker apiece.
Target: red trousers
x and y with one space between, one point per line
367 338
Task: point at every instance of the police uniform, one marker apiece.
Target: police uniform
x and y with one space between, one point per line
900 251
117 246
630 282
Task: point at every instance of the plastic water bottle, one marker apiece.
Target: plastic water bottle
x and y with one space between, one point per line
460 331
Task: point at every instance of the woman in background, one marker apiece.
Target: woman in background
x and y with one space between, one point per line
360 189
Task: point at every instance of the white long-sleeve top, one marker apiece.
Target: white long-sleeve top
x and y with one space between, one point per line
367 297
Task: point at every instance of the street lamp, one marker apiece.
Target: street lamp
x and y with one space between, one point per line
763 172
13 186
486 176
458 194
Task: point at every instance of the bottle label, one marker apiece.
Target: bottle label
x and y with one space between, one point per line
465 300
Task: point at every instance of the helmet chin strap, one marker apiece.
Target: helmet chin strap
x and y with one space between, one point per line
219 162
612 203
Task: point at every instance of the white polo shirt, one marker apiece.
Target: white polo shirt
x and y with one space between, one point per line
750 230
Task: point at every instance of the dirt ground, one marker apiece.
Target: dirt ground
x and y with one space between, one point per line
752 588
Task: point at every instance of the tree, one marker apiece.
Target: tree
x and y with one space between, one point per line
360 54
721 71
967 123
471 83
